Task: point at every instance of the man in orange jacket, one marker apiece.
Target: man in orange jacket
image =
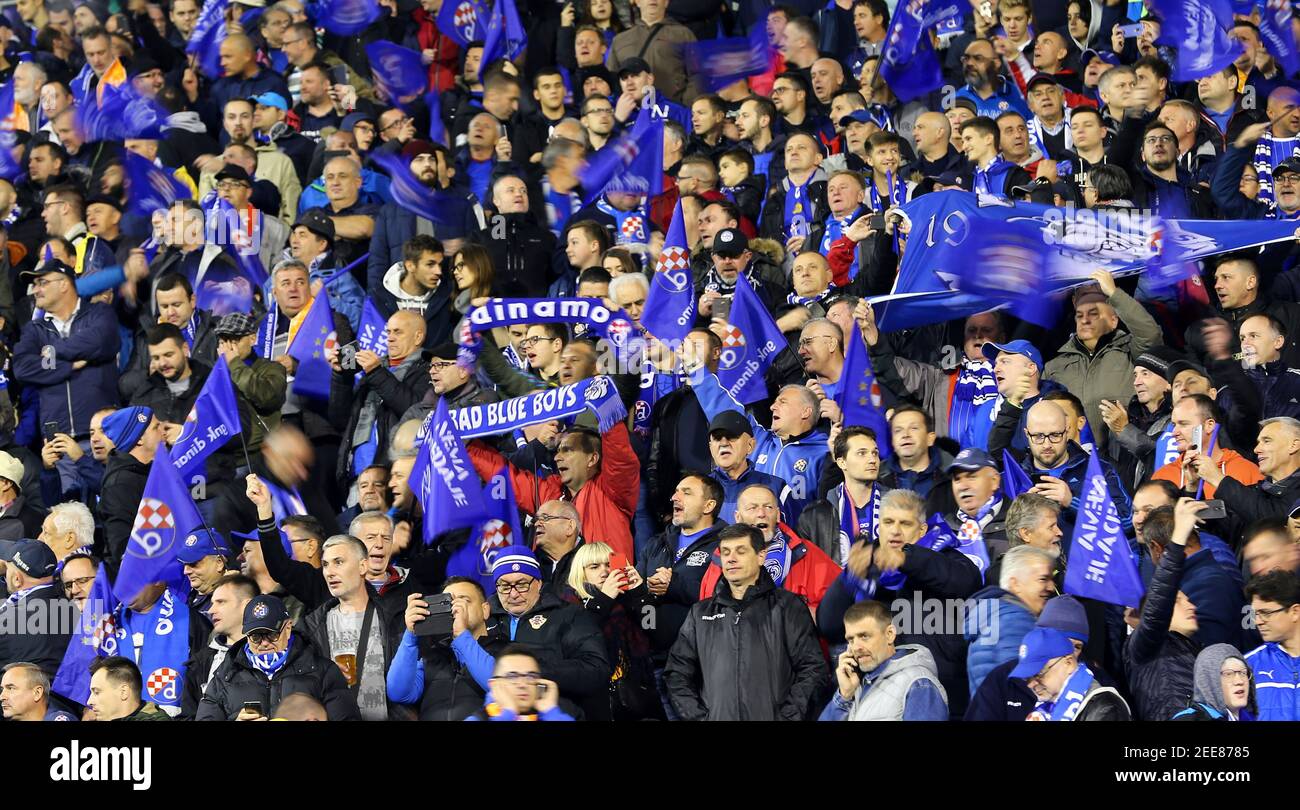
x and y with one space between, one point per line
600 475
1191 412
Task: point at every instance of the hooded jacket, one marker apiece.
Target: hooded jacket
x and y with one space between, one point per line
1208 702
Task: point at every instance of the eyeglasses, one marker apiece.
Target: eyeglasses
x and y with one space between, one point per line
42 283
808 341
1288 179
405 119
1153 140
1244 674
1267 613
48 203
514 677
263 638
72 584
1040 676
529 342
600 111
1049 438
504 588
544 519
441 366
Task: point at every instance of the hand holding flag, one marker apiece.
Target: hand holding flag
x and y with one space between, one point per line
1101 562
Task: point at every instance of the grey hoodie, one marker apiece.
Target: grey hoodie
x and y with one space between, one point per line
1207 684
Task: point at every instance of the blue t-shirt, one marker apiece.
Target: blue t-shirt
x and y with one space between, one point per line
480 172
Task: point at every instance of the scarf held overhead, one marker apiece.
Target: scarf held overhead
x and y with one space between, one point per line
616 327
597 394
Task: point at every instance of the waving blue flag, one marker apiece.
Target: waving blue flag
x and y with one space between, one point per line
314 336
437 129
372 334
1101 562
859 394
121 113
633 162
211 423
414 196
465 21
909 64
499 530
149 187
166 515
1199 30
752 343
444 479
9 168
399 72
1015 482
1010 265
344 17
1279 38
208 34
95 629
669 311
717 63
504 37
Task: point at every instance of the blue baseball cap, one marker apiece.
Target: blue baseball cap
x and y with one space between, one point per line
1022 347
971 459
515 560
1040 646
269 99
202 543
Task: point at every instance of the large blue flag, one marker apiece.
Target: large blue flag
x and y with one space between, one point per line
150 187
437 129
500 529
95 630
752 343
413 196
372 333
344 17
119 114
399 72
1278 35
1199 30
9 167
444 479
504 37
859 394
1015 481
208 34
633 162
909 64
314 336
717 63
669 311
1101 562
465 21
166 515
212 422
1009 265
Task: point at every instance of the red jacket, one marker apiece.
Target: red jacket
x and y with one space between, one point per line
811 571
605 504
446 54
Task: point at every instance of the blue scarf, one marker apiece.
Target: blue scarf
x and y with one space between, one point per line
993 180
834 230
284 502
777 561
807 300
654 386
630 226
976 385
188 332
938 538
616 327
1066 706
560 206
897 193
165 636
268 663
1269 152
854 524
798 208
597 394
266 333
1166 448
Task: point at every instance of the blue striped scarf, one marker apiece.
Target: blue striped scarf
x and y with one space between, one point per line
976 385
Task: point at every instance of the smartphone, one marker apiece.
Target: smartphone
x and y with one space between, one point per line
722 308
1198 438
1131 31
339 74
617 564
348 356
541 690
253 706
50 430
877 222
1214 510
439 622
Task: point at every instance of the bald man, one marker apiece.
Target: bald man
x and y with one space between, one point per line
935 153
242 77
827 79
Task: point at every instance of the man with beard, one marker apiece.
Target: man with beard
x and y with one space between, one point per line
756 124
174 304
991 93
272 165
1159 182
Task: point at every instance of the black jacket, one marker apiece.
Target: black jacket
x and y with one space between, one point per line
754 658
388 615
347 398
203 351
1159 662
235 512
773 218
684 588
521 255
197 670
679 440
153 393
568 645
21 520
37 629
450 692
307 671
119 500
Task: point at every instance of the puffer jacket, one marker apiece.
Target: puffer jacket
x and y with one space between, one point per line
1108 372
753 658
44 359
1160 663
996 623
307 671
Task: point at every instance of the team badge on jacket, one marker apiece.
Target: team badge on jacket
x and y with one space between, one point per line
537 622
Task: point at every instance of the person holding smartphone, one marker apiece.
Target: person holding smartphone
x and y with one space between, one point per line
519 692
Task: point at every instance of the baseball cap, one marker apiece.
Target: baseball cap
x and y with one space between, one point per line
318 222
1021 347
515 560
1089 294
51 265
1158 359
730 242
32 557
270 99
1179 366
1040 646
634 66
1087 56
1067 614
202 543
264 612
966 103
125 426
11 469
951 179
730 423
236 325
233 172
1290 165
860 117
1041 78
971 459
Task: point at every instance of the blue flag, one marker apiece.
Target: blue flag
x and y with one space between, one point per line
504 37
1015 482
9 168
211 423
859 394
633 162
670 307
344 17
500 529
415 197
96 624
1009 265
399 72
444 479
149 187
1199 30
465 21
909 64
1101 562
717 63
752 343
121 113
166 515
208 34
437 129
314 336
1279 38
372 333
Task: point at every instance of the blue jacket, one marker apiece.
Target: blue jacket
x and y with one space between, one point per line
994 641
1277 682
44 360
731 488
1220 603
374 189
1076 468
798 462
1007 98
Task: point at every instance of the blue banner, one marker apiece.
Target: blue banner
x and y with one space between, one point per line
399 72
499 530
149 186
344 17
632 163
96 630
616 327
669 311
752 343
1009 265
717 63
444 479
1199 30
1278 35
909 63
314 336
465 21
166 515
1101 562
212 422
206 38
859 394
1015 481
372 334
597 394
504 37
120 113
